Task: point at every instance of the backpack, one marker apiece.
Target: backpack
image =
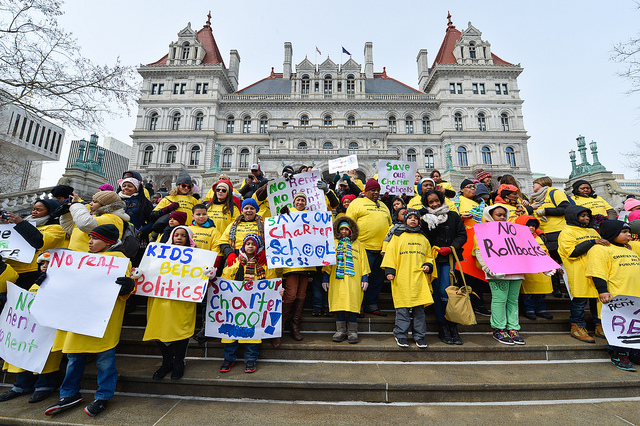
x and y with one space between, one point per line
130 241
553 201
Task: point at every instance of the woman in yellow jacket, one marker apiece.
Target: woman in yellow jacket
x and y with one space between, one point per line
251 264
180 198
347 280
45 235
576 239
172 322
614 270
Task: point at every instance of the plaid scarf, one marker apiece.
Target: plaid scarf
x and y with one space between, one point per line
344 256
234 226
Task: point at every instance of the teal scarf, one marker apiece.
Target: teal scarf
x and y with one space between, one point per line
344 256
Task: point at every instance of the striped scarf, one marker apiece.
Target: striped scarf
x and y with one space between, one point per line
252 269
344 256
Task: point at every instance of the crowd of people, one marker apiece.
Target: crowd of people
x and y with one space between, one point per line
414 242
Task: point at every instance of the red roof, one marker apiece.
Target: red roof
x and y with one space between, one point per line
212 53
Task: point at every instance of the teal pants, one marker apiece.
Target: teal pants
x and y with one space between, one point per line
504 304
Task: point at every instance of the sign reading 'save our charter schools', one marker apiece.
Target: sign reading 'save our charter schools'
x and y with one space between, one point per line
509 248
300 239
174 272
621 321
244 310
282 191
397 177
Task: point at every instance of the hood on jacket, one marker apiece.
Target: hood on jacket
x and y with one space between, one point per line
355 231
134 173
116 208
525 218
572 212
189 233
579 183
486 213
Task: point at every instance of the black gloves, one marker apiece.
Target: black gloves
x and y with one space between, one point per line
127 285
284 210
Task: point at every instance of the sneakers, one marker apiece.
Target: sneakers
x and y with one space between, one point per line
226 366
250 367
40 395
545 315
402 342
481 310
377 312
581 334
96 407
421 343
599 331
10 394
621 361
63 404
515 336
503 337
530 315
316 312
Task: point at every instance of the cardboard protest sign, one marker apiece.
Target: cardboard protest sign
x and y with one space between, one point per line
343 164
282 191
621 321
509 248
79 292
397 177
174 272
468 261
244 310
13 246
300 239
25 343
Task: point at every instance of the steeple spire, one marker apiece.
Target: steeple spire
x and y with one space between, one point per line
208 23
449 24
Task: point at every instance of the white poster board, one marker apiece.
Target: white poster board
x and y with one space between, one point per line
174 272
13 246
282 191
25 343
621 321
79 292
343 164
397 177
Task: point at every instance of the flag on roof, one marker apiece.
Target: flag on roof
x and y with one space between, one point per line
318 50
345 51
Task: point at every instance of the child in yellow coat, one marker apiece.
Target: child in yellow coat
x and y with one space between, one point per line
407 262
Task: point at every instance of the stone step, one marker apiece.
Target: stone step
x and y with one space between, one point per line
382 347
381 381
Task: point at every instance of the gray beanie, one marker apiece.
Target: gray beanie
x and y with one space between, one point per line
184 177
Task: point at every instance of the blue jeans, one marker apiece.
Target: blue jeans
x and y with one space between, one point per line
376 278
107 374
403 323
577 311
439 285
250 351
27 382
533 303
320 297
343 315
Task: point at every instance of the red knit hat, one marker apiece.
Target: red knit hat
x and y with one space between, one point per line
371 184
482 174
180 217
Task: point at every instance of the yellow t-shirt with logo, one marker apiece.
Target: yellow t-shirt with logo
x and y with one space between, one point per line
373 219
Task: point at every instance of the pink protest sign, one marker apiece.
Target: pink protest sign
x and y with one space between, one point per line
509 248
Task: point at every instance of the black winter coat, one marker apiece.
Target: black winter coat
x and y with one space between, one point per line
449 234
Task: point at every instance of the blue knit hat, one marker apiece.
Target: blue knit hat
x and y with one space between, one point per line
250 202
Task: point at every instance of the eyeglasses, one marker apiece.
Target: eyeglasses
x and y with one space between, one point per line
184 185
221 190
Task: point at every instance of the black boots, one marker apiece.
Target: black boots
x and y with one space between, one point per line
448 333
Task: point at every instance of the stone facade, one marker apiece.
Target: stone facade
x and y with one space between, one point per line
193 117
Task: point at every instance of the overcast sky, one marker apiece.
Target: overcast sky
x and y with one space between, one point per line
569 84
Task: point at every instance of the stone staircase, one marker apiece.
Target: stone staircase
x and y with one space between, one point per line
551 366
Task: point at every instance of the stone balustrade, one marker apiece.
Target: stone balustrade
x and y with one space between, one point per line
20 201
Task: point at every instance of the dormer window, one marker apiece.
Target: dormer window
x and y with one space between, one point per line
472 50
185 50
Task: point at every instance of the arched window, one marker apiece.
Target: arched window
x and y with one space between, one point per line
408 124
153 121
230 124
472 50
185 50
351 121
411 155
426 125
226 158
328 85
148 155
457 121
244 158
172 152
462 156
353 145
199 120
482 122
328 121
194 156
305 85
302 145
264 124
175 122
429 163
511 156
504 119
327 145
246 125
304 120
351 85
486 155
393 126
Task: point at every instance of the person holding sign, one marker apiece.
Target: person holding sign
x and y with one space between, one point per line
407 263
614 270
250 265
574 243
102 239
347 280
172 322
248 222
373 219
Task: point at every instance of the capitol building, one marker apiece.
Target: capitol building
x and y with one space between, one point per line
463 112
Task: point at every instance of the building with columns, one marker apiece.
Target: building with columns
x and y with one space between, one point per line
192 115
